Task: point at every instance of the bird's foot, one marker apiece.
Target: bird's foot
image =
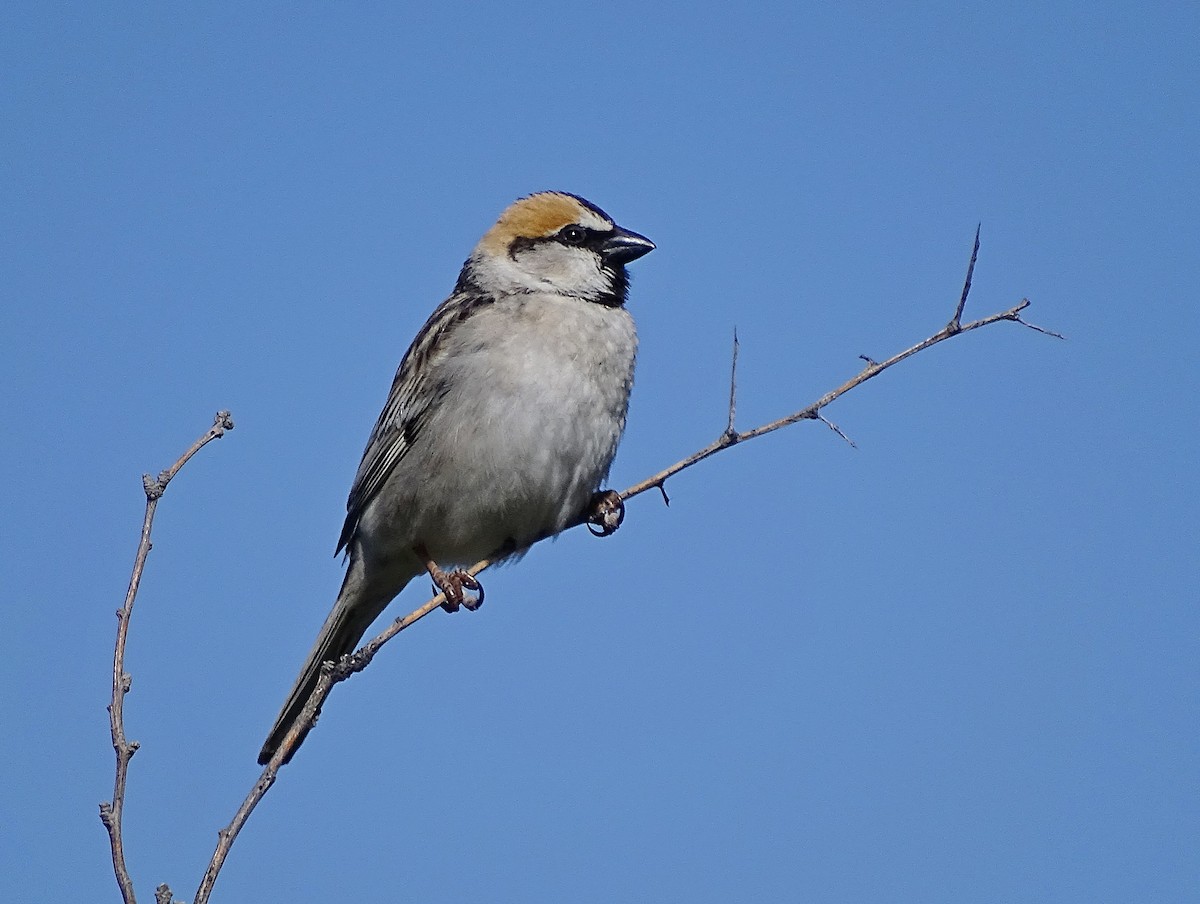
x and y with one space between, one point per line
451 584
604 513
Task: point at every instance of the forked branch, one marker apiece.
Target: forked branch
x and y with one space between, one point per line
334 672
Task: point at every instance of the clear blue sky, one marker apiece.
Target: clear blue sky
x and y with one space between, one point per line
959 663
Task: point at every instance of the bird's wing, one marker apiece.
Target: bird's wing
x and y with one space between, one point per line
415 390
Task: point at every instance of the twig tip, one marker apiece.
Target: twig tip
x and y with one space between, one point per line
835 428
729 424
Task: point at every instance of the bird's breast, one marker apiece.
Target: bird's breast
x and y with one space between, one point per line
532 397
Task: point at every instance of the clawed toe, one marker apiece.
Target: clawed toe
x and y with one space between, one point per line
605 512
471 603
451 584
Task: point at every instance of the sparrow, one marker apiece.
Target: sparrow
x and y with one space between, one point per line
501 423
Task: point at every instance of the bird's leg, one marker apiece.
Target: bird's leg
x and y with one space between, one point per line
604 513
451 583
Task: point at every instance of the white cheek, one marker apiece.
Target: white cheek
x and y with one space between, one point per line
544 267
573 271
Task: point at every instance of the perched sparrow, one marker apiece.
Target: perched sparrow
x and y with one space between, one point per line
502 420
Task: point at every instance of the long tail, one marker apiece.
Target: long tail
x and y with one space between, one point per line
352 614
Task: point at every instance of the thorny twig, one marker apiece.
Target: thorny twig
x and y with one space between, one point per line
333 673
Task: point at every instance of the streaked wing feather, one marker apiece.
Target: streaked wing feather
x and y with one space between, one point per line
412 394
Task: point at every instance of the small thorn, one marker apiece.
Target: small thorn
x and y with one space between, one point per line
836 429
1035 327
729 429
955 323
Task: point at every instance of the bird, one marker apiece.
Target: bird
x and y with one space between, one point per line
501 423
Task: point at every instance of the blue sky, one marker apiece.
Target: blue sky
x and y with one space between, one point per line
956 664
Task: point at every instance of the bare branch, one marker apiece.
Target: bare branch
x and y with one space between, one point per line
227 835
111 811
334 673
360 659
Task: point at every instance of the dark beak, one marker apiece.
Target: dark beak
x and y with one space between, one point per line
622 246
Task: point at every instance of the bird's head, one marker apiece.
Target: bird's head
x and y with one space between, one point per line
555 242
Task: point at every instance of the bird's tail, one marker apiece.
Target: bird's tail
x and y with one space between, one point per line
343 629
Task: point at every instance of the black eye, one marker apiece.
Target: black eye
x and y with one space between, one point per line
573 235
